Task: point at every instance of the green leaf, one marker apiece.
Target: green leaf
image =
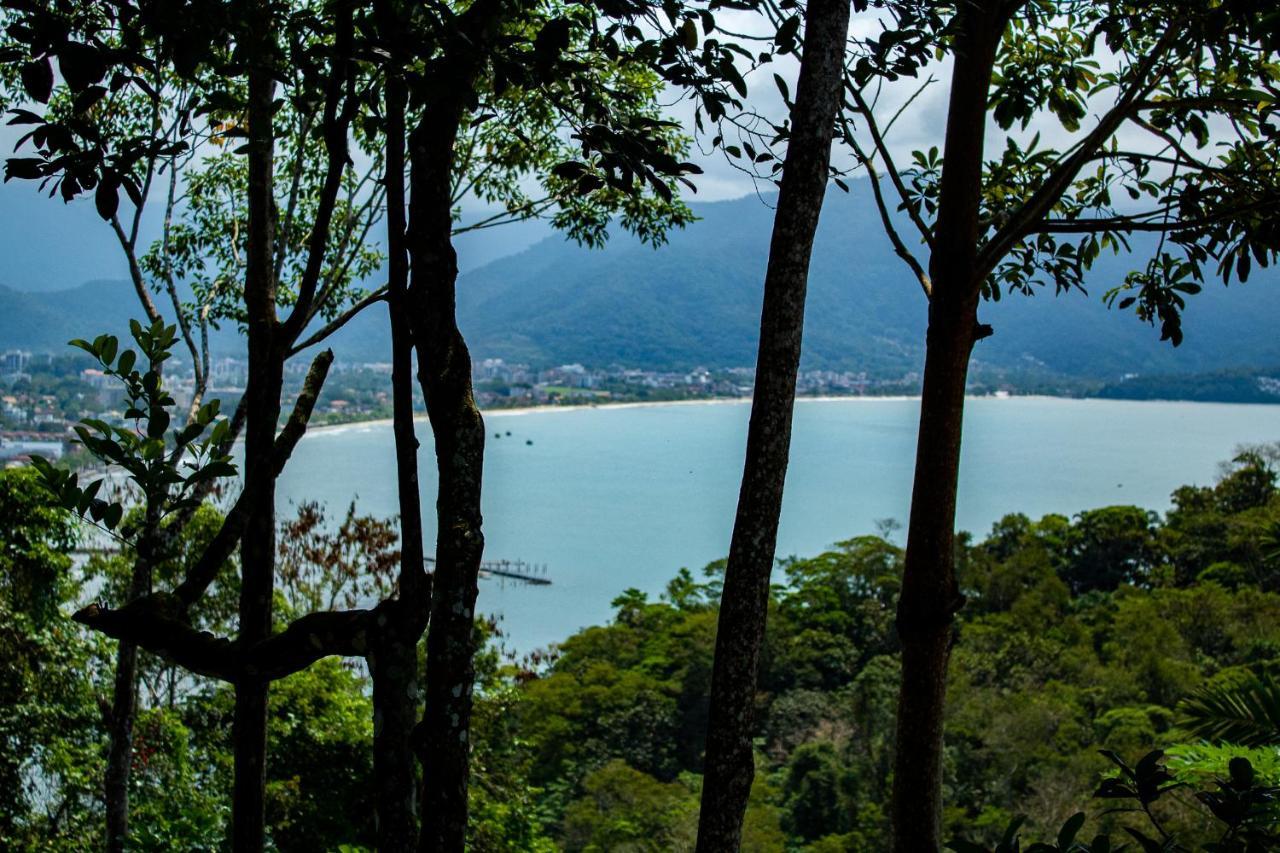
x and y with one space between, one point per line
157 423
37 79
1069 830
689 32
786 35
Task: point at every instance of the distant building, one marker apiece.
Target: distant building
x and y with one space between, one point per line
25 448
14 361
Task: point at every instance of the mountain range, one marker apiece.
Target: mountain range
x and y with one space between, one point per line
696 301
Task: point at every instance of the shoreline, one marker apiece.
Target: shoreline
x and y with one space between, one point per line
517 411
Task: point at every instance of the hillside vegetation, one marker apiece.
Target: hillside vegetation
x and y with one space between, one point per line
696 302
1079 634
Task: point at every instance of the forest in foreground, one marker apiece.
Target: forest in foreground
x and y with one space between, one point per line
1115 629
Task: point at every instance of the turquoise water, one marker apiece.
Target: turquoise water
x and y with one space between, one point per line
618 497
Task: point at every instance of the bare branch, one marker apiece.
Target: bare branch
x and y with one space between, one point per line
336 125
883 150
341 320
135 272
899 247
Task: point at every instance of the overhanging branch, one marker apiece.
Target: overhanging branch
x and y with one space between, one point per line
157 623
341 320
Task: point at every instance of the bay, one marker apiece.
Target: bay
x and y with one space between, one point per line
622 496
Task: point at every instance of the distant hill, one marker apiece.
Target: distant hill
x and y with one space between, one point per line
696 301
45 321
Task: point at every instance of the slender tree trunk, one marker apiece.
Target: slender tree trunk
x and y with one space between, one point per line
262 392
120 754
394 662
729 766
930 594
124 700
152 546
444 371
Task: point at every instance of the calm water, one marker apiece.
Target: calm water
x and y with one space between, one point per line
612 498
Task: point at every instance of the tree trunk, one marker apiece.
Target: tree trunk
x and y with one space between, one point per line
393 665
729 767
124 697
123 711
444 371
262 392
930 594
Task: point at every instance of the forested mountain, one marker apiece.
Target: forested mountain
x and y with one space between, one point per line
696 302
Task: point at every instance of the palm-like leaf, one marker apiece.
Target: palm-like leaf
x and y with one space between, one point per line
1247 713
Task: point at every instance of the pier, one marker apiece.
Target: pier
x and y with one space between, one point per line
515 570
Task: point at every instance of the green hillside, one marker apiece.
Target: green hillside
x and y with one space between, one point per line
696 302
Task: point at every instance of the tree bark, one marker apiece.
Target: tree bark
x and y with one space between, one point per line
444 372
120 753
266 363
930 594
393 665
124 699
729 765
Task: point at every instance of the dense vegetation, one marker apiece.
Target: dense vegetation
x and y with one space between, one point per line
1079 634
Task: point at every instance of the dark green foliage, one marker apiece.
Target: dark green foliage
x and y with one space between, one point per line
48 716
1244 807
1107 547
597 744
1247 712
1041 678
1240 385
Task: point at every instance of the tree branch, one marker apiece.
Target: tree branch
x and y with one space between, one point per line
1023 220
890 168
335 137
899 247
135 272
157 623
341 320
224 541
1148 222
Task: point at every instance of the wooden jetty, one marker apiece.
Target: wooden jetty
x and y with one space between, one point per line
515 570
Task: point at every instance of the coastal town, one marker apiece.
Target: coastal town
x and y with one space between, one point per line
42 395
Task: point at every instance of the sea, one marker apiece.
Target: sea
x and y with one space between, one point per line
603 499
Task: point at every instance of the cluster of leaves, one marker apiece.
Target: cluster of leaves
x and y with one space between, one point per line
1184 96
1247 809
167 466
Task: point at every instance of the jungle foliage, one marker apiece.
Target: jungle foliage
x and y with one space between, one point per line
1115 629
